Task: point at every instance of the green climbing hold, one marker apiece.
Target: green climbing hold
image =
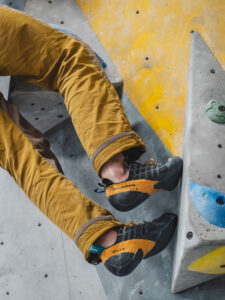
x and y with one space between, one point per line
215 111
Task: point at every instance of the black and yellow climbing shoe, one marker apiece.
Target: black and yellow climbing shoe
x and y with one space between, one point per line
136 242
143 181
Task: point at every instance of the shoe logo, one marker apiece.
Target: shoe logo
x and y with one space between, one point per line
118 250
124 187
139 185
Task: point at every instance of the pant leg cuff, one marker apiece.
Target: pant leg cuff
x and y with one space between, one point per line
92 230
120 143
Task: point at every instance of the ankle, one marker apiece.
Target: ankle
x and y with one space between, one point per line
115 169
107 239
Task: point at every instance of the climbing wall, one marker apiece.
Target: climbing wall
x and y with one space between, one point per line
37 260
200 250
151 53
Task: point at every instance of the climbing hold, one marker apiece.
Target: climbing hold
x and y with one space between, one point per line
210 263
215 111
209 203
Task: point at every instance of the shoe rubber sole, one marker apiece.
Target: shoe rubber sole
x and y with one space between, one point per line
114 264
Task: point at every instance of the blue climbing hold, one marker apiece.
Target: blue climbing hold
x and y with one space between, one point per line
209 203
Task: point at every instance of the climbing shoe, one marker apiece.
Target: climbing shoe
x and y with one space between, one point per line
144 180
136 242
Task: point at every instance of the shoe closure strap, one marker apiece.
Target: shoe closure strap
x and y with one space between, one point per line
138 185
129 246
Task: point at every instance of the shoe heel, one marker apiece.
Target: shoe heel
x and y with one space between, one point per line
124 263
170 181
166 227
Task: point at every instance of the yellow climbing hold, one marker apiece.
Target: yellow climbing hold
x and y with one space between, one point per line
211 263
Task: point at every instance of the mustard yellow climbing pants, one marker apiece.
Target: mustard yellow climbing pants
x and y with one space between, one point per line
53 60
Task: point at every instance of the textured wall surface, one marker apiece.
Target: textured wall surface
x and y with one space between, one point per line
202 212
151 52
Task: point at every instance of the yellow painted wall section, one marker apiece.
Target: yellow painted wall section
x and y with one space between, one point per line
149 43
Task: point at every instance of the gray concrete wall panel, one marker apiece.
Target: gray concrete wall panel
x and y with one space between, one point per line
204 165
43 109
4 85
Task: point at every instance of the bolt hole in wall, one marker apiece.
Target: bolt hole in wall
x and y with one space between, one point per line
219 176
212 71
189 235
221 108
220 200
220 146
